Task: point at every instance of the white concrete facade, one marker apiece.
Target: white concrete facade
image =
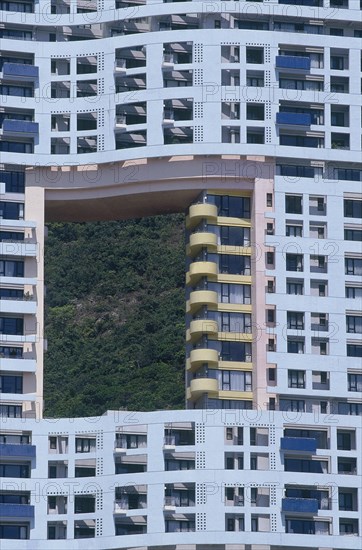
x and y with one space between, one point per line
113 109
210 477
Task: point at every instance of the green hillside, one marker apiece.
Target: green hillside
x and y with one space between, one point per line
114 316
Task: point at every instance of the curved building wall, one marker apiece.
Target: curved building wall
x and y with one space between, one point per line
159 78
182 479
115 110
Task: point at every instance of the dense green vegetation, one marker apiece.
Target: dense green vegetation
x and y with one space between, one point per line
114 316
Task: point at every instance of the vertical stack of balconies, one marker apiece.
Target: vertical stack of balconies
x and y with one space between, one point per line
219 329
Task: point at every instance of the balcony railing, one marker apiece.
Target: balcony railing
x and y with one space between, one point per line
20 126
302 444
297 119
16 510
11 450
20 69
292 62
300 505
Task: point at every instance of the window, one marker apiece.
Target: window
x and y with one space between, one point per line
270 315
255 55
270 258
234 294
255 111
174 464
255 79
322 289
232 236
230 380
345 501
269 199
235 207
293 204
234 322
351 409
295 320
354 324
84 504
348 527
353 234
11 325
294 230
354 292
85 445
305 465
270 228
292 405
354 350
15 470
352 208
11 384
14 531
11 268
296 379
294 171
354 382
10 352
272 374
19 91
270 287
235 351
344 440
295 286
294 262
10 411
16 146
238 265
11 210
295 345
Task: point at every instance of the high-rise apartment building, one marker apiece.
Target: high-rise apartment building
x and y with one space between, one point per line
247 116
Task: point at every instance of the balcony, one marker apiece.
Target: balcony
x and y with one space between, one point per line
202 326
292 62
20 70
299 444
202 297
202 269
201 240
199 386
18 305
294 119
203 355
16 511
17 127
201 211
300 505
10 450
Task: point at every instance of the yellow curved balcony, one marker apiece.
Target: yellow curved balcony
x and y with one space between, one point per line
199 327
197 212
199 386
203 355
200 298
204 239
202 269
